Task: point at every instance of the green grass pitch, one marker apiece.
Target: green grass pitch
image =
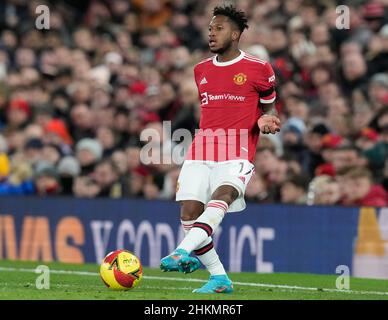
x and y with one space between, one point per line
68 281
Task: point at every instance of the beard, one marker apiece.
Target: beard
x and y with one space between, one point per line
223 49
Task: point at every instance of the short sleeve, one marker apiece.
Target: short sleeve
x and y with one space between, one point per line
266 84
196 75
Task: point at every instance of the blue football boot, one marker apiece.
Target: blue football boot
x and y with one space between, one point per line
180 261
216 284
188 264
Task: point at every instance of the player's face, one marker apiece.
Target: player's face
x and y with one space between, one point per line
220 34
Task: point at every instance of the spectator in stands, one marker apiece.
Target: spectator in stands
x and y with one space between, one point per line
46 179
292 136
265 160
294 190
358 189
18 113
354 73
170 183
51 154
374 14
377 154
378 91
18 180
256 190
81 122
33 150
362 115
377 52
85 187
88 153
56 133
344 157
151 190
367 139
119 158
136 181
323 190
314 143
106 136
68 169
107 178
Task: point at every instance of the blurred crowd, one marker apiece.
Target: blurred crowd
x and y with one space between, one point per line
75 98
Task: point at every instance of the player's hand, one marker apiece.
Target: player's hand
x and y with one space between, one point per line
268 124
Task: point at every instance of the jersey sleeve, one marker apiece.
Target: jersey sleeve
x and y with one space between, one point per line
265 84
195 75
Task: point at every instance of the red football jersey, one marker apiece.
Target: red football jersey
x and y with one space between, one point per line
229 93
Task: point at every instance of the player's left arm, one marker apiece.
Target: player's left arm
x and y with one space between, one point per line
269 121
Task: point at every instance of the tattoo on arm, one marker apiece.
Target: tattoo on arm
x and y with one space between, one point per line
269 108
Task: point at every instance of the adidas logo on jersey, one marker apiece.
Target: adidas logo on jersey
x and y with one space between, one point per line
203 81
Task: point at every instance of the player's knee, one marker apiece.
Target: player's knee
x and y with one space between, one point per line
225 193
191 210
225 197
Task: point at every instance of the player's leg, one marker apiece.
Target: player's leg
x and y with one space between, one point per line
193 190
229 181
190 211
201 231
206 253
210 219
228 189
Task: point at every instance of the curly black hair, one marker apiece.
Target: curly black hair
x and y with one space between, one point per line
237 16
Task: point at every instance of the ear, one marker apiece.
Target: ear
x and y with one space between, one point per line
235 35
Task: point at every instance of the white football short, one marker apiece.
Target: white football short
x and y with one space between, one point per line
199 179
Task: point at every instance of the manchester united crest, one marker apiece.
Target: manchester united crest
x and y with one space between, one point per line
240 78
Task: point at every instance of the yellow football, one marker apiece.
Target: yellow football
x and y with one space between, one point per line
121 270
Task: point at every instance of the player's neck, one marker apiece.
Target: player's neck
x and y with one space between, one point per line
229 55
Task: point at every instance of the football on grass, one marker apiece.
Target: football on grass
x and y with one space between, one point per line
121 270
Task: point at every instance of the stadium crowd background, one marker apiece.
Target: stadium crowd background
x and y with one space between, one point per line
74 98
